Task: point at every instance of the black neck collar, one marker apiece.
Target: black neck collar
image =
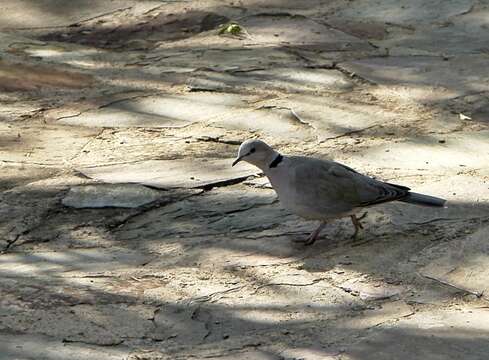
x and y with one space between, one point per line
276 161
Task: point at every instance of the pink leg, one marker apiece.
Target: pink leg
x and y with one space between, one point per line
358 225
315 234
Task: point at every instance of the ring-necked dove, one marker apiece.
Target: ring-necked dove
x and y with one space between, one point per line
324 190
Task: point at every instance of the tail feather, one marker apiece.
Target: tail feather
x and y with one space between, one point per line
424 200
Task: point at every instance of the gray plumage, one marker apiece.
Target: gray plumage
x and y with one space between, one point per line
424 200
324 190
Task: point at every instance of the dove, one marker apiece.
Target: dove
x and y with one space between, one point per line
324 190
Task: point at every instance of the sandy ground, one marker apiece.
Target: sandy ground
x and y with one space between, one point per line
125 233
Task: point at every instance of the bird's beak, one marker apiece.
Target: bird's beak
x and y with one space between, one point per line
237 160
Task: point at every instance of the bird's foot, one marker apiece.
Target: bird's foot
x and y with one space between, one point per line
359 234
308 241
363 216
314 235
358 226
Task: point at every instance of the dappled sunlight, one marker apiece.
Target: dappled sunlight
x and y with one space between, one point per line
414 93
263 301
81 57
41 346
28 13
458 150
60 262
20 77
46 145
447 335
126 233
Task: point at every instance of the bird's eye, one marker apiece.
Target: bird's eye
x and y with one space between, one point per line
252 150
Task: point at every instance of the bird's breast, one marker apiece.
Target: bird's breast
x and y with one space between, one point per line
281 182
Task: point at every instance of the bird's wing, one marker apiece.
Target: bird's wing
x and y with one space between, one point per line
333 182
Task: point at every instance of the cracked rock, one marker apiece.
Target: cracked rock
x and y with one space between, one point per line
247 355
219 60
440 334
387 311
21 77
64 263
215 212
184 325
282 30
158 111
371 292
331 117
290 79
441 78
461 263
404 11
45 346
165 174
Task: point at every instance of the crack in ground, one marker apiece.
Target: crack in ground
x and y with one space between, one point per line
352 75
236 350
196 316
93 138
152 206
112 12
70 341
218 140
47 165
348 133
478 294
313 282
109 104
210 297
479 218
38 224
300 120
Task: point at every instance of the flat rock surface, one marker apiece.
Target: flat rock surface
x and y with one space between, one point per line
95 196
462 263
126 234
454 76
290 79
158 111
331 117
166 174
42 347
64 262
406 12
60 13
446 334
269 29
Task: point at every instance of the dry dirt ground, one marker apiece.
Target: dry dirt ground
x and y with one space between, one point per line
125 233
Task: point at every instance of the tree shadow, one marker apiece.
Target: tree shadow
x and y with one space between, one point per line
100 272
99 279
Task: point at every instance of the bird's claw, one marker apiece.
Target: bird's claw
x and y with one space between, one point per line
306 242
363 216
358 235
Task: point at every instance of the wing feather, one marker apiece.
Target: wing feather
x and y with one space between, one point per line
340 186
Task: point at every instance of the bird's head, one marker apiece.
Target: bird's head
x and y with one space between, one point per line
256 152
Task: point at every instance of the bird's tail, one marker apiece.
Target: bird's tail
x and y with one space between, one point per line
425 200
